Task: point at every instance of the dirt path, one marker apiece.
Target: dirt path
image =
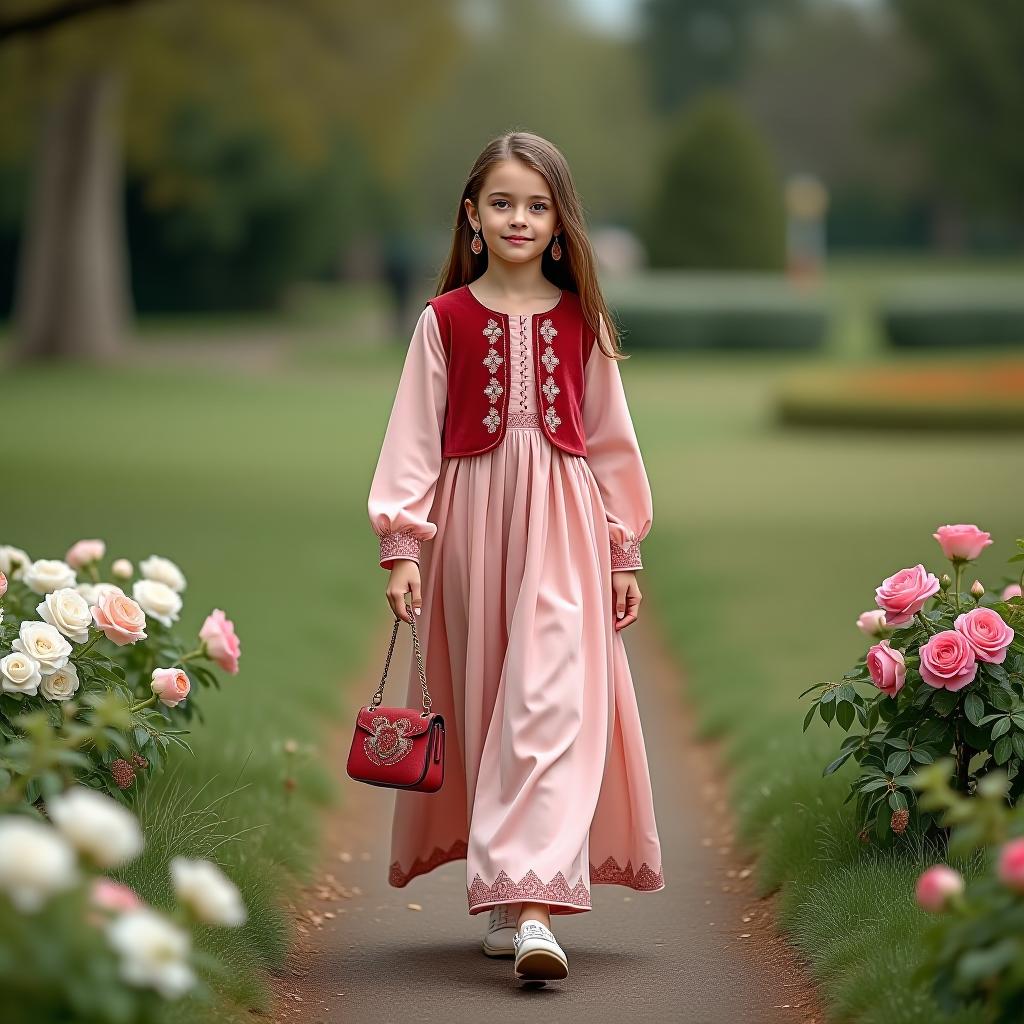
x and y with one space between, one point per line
703 950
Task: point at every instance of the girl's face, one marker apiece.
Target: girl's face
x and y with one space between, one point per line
516 214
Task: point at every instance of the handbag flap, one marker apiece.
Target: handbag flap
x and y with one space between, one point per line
417 723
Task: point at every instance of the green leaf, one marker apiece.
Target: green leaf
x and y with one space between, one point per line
1017 739
1002 750
897 801
845 715
837 763
974 708
897 762
944 701
1001 727
809 716
922 755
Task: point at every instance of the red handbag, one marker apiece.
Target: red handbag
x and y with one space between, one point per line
398 746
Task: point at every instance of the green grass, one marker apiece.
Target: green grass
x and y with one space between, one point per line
766 546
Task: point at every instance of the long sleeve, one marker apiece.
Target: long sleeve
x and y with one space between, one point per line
402 489
615 460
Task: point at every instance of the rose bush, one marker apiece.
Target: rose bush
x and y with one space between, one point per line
973 952
78 946
946 673
67 643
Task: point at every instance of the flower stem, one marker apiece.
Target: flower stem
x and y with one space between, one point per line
89 644
927 625
143 704
956 584
197 653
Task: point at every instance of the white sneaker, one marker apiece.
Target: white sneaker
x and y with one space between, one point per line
501 929
538 954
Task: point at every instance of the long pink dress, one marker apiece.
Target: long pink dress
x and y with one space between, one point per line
546 787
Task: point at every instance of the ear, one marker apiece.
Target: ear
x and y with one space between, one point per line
472 215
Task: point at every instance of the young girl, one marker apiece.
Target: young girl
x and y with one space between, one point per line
510 499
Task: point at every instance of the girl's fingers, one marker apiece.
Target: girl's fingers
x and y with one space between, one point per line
416 601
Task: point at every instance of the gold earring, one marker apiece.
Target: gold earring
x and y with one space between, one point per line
476 245
556 250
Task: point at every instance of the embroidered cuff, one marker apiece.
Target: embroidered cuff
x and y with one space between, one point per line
398 545
627 557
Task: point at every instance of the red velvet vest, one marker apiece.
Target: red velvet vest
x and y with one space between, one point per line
476 346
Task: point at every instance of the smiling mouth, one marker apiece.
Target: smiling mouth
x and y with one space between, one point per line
517 238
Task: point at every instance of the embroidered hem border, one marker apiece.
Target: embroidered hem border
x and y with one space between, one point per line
401 544
530 886
626 556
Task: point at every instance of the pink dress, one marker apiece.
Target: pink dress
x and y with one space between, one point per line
546 787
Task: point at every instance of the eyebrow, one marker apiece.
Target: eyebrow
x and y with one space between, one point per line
493 194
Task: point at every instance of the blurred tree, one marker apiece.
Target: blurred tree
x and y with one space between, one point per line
968 105
693 45
718 200
293 73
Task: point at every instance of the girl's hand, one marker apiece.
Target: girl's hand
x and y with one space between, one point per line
627 597
405 577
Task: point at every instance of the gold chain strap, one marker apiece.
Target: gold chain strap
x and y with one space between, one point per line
378 695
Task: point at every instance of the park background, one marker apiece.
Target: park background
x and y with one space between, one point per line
219 222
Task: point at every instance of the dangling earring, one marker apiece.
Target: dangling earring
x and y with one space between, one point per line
476 245
556 250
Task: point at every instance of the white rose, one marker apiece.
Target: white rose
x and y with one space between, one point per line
97 826
67 611
157 600
46 574
60 685
88 591
207 892
13 561
122 568
20 674
163 570
35 862
43 642
154 951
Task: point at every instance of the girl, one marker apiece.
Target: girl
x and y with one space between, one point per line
510 499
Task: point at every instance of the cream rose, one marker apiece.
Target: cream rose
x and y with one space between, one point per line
35 862
163 570
60 685
207 892
157 600
43 642
67 611
154 951
14 561
122 569
20 674
97 826
47 574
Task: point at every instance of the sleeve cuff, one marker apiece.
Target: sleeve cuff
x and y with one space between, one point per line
402 544
627 557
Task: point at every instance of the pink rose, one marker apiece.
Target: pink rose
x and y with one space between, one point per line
107 894
948 661
1010 868
963 542
904 594
3 584
872 623
83 552
986 633
1013 590
936 886
220 641
171 685
120 618
887 667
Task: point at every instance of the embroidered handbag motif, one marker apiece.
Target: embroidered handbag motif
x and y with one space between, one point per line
388 743
395 746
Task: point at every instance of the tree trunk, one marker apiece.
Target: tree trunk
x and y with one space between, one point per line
73 300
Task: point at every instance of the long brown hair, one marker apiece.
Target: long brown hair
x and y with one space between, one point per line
576 271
